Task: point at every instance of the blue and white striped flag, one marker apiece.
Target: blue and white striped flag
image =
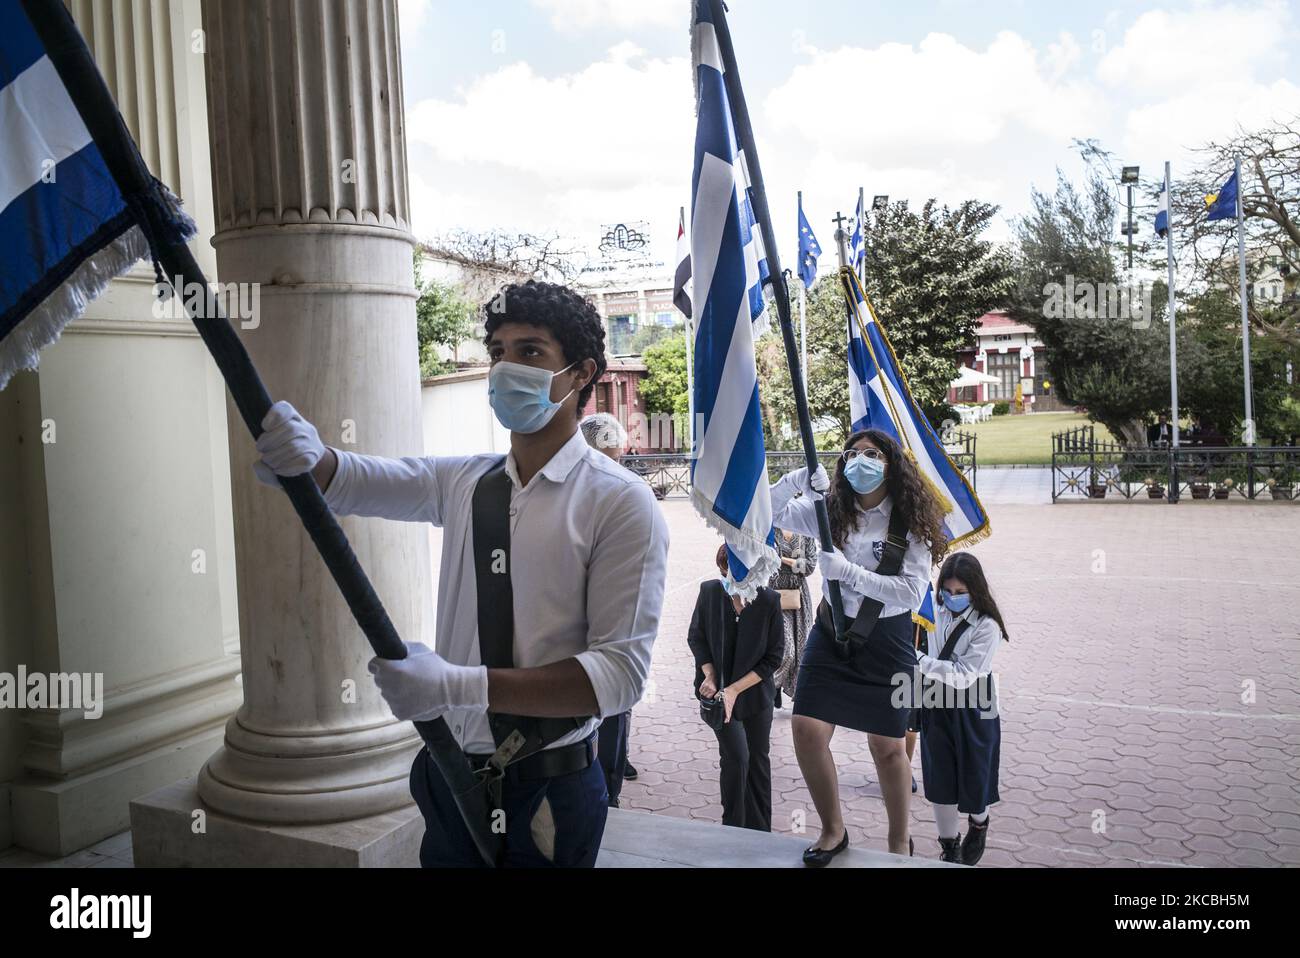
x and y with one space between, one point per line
857 248
1162 212
879 398
66 229
729 484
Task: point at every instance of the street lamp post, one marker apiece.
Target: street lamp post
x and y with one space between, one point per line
1129 177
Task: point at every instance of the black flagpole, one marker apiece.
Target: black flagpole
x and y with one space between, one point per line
780 291
67 51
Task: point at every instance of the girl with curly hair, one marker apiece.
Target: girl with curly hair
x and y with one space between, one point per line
882 514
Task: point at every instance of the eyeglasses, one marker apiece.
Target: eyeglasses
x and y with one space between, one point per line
848 455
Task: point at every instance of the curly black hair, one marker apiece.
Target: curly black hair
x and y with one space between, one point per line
570 316
907 490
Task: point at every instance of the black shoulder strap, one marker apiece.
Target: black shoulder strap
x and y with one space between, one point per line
490 514
891 563
951 644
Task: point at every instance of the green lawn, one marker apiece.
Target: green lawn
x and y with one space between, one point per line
1025 439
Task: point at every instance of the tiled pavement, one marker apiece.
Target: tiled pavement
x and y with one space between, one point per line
1151 714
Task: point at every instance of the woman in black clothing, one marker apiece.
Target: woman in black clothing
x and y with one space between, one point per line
738 645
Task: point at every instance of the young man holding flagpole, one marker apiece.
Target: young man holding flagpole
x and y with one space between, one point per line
546 631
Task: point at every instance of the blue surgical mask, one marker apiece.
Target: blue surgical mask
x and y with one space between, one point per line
864 475
728 585
956 604
521 395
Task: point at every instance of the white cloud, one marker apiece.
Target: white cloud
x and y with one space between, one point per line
612 140
1167 52
578 15
515 149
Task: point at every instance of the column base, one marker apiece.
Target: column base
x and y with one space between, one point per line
164 823
61 817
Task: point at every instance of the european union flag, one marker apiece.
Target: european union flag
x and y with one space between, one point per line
809 250
1223 204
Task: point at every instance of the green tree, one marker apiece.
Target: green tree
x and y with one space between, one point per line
1117 367
930 277
443 317
664 388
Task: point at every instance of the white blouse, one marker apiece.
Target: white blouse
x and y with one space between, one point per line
971 657
863 547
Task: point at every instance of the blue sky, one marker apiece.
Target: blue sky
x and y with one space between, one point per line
563 115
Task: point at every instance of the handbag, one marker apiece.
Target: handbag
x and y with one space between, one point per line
791 599
714 710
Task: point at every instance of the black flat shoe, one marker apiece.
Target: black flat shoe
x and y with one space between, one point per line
911 848
629 773
972 849
821 857
913 784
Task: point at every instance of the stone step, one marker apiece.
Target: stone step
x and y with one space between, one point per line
642 840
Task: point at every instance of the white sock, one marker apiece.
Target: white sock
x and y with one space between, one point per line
981 818
945 816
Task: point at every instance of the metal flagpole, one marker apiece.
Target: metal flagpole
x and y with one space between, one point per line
1245 308
1173 339
690 386
803 322
803 330
780 291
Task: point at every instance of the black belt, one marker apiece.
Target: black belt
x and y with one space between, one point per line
549 762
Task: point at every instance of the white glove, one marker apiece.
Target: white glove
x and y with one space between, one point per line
834 565
289 445
424 685
820 482
811 486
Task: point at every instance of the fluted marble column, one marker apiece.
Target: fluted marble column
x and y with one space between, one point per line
309 178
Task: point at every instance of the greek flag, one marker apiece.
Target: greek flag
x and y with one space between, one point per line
729 484
879 398
66 227
1162 212
857 248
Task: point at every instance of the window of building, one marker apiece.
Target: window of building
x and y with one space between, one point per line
1006 366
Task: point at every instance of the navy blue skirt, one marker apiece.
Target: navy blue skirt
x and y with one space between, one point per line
960 748
862 693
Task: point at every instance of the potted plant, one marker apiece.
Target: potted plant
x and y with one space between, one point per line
1224 482
1155 490
1097 486
1282 485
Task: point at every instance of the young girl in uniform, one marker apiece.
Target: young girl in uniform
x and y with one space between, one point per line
961 732
882 515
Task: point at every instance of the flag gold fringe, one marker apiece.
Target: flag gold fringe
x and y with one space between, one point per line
985 529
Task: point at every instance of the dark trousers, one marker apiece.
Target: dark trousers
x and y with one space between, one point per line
746 777
611 748
577 809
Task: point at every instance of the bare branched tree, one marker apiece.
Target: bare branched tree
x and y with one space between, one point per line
511 256
1270 197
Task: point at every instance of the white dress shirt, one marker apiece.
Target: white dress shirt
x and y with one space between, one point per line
588 551
900 593
971 657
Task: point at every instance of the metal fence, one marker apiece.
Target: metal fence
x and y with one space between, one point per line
669 475
1084 467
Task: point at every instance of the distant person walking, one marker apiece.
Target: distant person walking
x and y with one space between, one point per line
798 559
